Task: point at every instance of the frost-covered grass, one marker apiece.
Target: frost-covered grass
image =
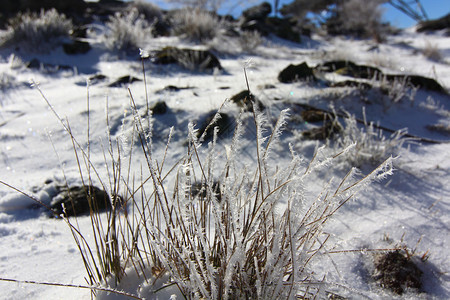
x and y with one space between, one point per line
208 225
250 40
432 52
170 238
195 24
370 145
37 33
126 32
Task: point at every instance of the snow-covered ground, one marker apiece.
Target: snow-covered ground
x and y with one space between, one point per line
411 207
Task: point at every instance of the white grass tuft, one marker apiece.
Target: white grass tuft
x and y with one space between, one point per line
37 33
127 31
196 24
369 144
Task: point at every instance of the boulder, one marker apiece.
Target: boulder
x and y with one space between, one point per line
314 116
189 58
293 73
159 108
80 200
437 24
257 13
246 100
284 28
351 83
76 47
253 19
349 68
327 130
97 78
419 82
223 124
123 81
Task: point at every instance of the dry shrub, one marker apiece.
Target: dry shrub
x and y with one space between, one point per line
128 31
37 33
371 146
195 24
432 52
250 40
209 225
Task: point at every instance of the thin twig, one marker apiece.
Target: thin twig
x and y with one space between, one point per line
108 290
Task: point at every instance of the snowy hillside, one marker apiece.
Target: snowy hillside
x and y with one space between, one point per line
409 209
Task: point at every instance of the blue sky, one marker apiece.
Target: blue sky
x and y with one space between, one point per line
434 8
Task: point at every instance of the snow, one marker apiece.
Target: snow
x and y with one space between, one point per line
411 205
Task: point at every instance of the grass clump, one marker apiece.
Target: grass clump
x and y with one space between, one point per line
195 24
250 40
432 52
37 32
126 32
370 145
211 226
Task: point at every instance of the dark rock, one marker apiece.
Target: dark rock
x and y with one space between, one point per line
124 80
223 123
254 25
432 25
293 73
161 28
352 83
79 32
314 116
327 130
49 68
34 64
159 108
76 47
258 12
80 200
397 272
188 58
246 100
349 68
284 28
171 88
253 19
97 78
419 82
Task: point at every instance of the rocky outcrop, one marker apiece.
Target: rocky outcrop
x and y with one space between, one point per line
247 100
124 81
80 200
293 73
223 124
433 25
191 59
